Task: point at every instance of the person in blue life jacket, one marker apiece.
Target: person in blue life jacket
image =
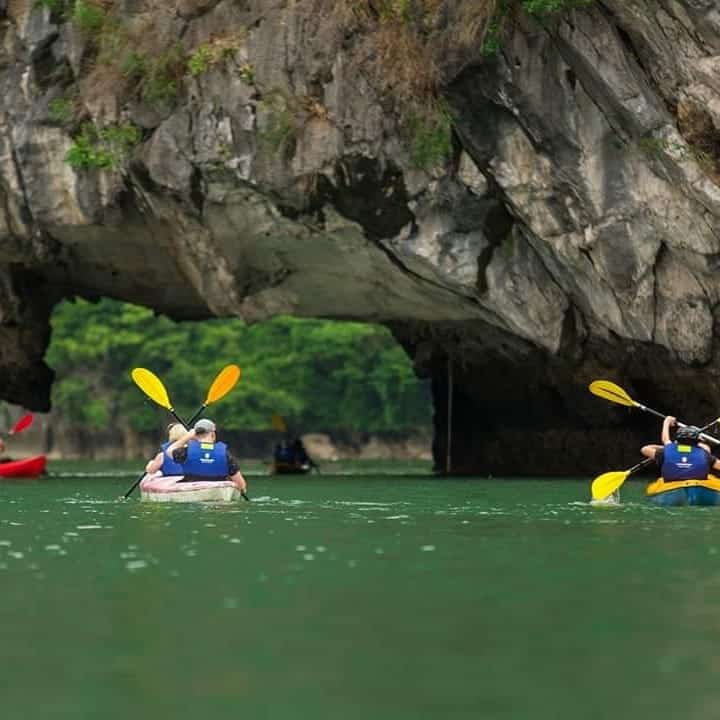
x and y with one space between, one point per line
283 452
685 458
202 457
161 461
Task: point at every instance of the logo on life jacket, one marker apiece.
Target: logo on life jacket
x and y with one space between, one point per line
683 458
207 458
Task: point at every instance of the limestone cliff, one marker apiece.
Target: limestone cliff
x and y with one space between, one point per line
247 157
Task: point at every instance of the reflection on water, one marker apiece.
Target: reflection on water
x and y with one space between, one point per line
377 596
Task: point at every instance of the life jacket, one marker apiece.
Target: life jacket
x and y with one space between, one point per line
284 454
205 459
684 462
169 466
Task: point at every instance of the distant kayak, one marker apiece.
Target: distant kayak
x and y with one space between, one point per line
28 467
170 488
684 492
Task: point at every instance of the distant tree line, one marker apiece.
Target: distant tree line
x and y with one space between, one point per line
319 375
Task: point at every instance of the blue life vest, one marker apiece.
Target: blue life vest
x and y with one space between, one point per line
205 459
169 467
684 462
284 453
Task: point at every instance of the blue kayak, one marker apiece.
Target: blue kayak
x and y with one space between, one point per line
684 492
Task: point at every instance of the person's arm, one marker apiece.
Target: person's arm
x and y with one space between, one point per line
232 463
234 474
650 451
667 424
713 462
2 445
155 464
239 481
184 440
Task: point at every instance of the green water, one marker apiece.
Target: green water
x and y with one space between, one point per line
383 596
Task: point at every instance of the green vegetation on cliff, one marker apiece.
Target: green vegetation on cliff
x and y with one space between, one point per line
418 46
102 147
415 48
318 374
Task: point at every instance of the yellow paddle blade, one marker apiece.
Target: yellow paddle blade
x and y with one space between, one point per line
606 484
278 422
152 386
612 392
223 383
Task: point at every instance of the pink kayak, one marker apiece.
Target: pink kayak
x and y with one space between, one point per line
162 488
29 467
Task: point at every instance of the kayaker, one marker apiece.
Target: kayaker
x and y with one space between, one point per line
161 461
300 455
685 458
203 458
283 453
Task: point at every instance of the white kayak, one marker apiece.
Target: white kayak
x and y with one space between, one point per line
170 488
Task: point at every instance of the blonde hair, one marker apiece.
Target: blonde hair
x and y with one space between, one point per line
175 432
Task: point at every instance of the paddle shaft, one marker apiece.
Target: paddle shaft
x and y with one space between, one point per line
614 393
134 485
196 415
703 436
642 464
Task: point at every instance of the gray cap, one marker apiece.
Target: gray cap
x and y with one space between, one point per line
203 426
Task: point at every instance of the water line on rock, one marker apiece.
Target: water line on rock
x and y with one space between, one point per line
448 455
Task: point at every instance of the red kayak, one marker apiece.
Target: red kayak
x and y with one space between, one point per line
29 467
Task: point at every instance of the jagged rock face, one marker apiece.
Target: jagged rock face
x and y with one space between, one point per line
573 234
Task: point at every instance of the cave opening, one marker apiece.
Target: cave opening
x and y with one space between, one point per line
348 387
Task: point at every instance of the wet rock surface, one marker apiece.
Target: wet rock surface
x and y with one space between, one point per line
572 234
